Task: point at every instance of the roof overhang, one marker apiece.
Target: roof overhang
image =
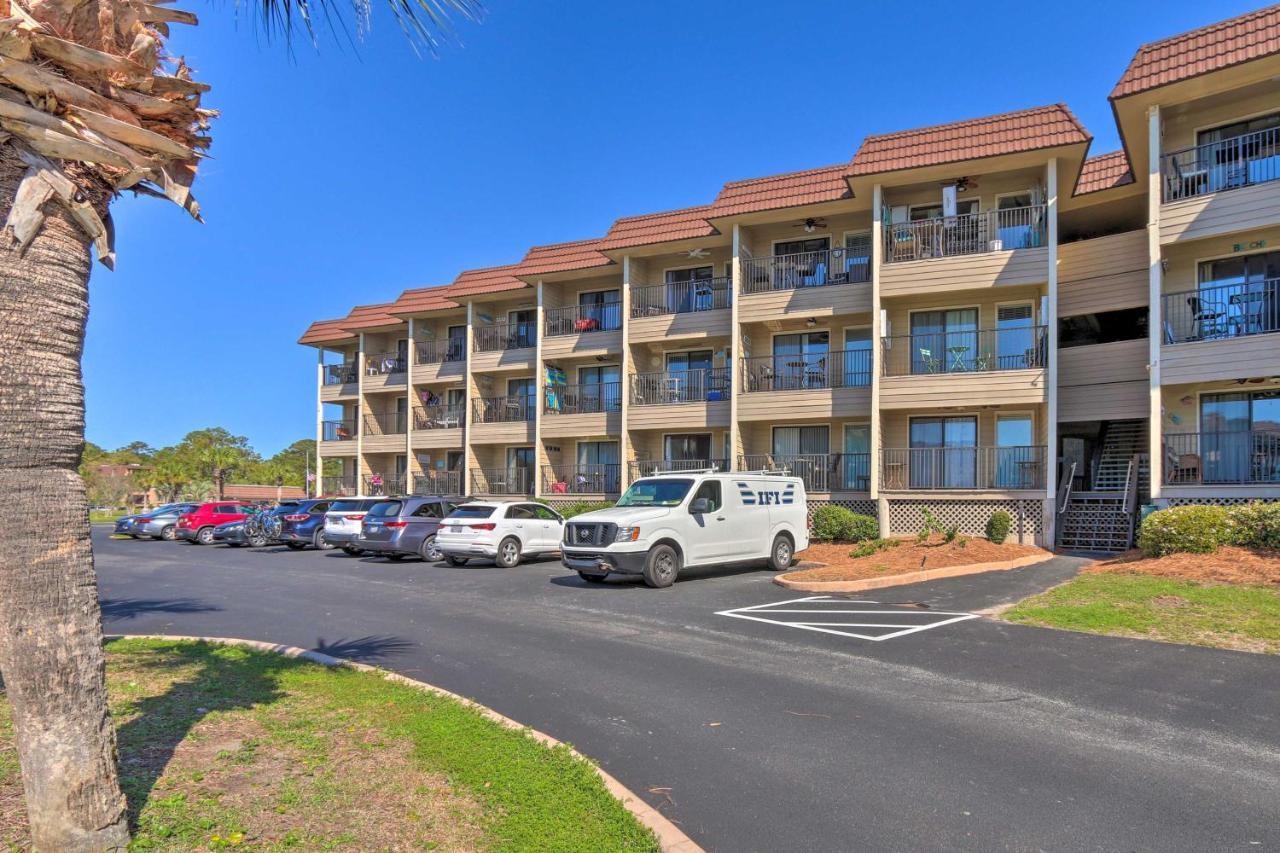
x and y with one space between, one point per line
1071 156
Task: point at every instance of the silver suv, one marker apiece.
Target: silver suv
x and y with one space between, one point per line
396 528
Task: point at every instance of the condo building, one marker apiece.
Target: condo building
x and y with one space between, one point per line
962 318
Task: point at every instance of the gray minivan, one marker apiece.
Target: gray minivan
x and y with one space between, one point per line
396 528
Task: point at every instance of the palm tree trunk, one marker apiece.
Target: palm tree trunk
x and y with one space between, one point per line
51 655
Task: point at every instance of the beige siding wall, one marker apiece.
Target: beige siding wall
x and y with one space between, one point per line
512 359
761 238
832 300
1113 401
1014 387
568 426
1207 361
896 430
1216 214
898 310
583 344
803 405
1103 382
679 416
330 393
967 272
689 327
337 448
450 372
565 293
502 433
1183 260
1103 274
429 439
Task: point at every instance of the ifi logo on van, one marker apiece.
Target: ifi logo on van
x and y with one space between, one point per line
752 497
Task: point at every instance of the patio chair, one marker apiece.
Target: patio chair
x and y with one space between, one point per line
1206 315
1187 468
983 361
930 362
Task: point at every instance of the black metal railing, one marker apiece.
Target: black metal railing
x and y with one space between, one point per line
438 417
649 467
583 399
340 374
942 468
338 430
978 351
442 351
438 483
1246 457
384 484
680 386
681 297
338 486
807 371
385 363
821 472
575 319
603 478
386 423
805 269
966 234
1217 312
502 481
504 336
1228 164
499 410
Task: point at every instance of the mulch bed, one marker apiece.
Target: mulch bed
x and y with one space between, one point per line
1250 566
908 556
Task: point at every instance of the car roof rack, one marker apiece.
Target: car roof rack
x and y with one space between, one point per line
768 472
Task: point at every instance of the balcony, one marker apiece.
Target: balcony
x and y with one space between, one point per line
681 297
806 269
442 352
384 484
806 385
1244 458
438 483
821 472
1228 164
338 430
683 399
502 410
578 319
517 482
966 234
339 486
499 337
1215 332
586 479
980 367
340 374
964 468
384 363
649 467
594 399
438 417
385 423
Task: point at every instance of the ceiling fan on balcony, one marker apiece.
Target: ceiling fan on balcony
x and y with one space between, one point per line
963 184
810 225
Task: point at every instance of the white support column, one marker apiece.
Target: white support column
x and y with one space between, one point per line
319 423
877 356
411 355
1155 307
1050 320
539 385
360 415
466 404
735 347
624 376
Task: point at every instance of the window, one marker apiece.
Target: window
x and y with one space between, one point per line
944 341
545 513
457 343
1126 324
857 357
520 511
920 212
800 441
692 274
385 509
599 468
800 360
1238 128
600 309
1015 338
710 492
319 509
682 362
1237 296
473 511
663 491
1240 437
526 391
228 509
686 447
1017 461
429 509
796 247
855 464
857 257
521 328
599 389
1011 201
943 453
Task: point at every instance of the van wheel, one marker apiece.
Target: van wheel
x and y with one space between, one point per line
320 542
456 561
429 551
661 567
508 553
781 553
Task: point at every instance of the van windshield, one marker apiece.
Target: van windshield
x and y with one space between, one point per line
663 492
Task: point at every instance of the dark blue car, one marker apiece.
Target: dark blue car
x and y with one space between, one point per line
303 525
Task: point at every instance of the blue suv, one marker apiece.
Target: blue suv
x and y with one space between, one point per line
303 525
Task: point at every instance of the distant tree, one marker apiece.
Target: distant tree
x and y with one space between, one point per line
216 454
135 452
168 473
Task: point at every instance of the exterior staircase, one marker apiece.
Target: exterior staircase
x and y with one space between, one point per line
1102 520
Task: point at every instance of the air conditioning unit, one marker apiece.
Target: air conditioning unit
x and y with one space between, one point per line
995 246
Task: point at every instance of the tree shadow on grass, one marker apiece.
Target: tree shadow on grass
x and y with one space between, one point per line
123 609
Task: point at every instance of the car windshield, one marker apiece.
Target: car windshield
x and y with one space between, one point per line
663 492
385 509
346 506
472 511
286 507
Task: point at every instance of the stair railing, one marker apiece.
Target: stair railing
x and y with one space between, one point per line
1064 488
1131 486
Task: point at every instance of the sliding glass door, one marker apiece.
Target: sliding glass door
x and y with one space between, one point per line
1240 437
943 341
800 360
855 464
1016 462
944 453
803 450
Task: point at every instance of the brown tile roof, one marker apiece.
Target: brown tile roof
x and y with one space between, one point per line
422 299
811 186
325 331
684 224
371 317
1210 48
1007 133
563 257
254 492
486 280
1104 172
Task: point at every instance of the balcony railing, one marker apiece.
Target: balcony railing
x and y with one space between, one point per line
384 484
338 486
384 363
340 374
574 319
681 297
805 269
979 351
438 483
438 417
583 399
339 430
1228 164
649 467
821 472
443 351
1222 458
966 234
504 336
680 386
587 479
807 371
502 410
1222 311
385 423
942 468
502 481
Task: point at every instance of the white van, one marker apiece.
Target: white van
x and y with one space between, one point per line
690 518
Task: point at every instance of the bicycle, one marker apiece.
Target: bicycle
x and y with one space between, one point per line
262 527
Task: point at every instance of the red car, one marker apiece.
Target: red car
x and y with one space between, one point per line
197 526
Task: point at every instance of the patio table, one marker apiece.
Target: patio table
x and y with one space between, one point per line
957 357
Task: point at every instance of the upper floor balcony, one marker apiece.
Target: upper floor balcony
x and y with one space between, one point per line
343 429
1238 458
514 481
340 374
583 329
441 359
385 484
381 426
684 399
796 386
697 308
503 345
1219 330
1221 186
589 399
973 367
779 285
385 369
496 410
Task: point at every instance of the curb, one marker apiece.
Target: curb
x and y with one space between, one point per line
670 837
911 577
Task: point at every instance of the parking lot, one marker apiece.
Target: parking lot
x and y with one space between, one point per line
758 719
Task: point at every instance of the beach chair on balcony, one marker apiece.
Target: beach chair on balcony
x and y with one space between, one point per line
932 364
1207 316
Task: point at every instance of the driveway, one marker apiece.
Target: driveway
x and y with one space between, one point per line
761 735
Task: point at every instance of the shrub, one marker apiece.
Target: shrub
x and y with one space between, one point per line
1257 525
951 534
998 526
930 526
1186 529
873 546
831 523
579 507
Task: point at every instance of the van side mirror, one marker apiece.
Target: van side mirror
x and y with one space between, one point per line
699 506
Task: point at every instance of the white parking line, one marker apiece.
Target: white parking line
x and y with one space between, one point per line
898 621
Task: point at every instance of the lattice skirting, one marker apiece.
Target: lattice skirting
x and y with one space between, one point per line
970 517
864 506
1227 501
559 503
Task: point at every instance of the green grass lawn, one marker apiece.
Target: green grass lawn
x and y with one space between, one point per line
223 747
1175 611
108 517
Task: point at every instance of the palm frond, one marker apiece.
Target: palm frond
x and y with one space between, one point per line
429 24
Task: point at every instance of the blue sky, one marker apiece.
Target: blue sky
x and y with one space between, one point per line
344 176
